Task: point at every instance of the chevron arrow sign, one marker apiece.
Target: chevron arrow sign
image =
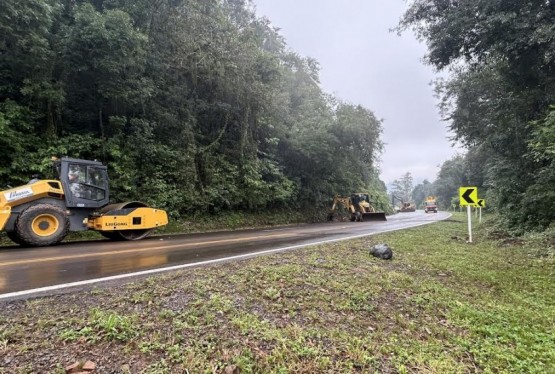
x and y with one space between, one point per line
468 196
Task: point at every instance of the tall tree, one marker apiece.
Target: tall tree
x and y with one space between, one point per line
402 188
196 105
421 191
450 178
30 96
540 195
500 54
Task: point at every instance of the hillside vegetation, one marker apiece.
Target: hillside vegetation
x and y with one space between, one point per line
199 106
195 105
499 101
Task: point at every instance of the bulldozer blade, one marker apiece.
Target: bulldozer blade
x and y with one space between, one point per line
374 217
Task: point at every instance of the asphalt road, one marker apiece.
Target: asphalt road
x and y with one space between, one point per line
25 271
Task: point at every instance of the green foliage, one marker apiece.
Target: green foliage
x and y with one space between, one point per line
16 139
451 176
542 144
421 191
540 194
502 62
195 106
103 325
403 188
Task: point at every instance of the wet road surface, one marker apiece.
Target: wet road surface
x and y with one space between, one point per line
26 269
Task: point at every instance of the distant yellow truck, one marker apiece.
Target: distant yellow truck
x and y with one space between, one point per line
430 205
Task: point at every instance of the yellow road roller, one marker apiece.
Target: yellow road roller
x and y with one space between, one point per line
42 212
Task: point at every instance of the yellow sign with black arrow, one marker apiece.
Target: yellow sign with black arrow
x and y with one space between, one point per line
468 196
481 203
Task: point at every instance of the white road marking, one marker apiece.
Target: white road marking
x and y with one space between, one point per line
208 262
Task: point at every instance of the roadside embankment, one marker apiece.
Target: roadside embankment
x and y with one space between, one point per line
440 305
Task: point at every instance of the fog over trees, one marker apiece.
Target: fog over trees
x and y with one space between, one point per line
195 105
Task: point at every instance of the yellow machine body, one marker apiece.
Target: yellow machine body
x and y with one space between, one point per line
407 207
358 206
42 212
430 205
139 218
27 193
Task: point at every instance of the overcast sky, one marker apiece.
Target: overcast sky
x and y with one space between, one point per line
362 62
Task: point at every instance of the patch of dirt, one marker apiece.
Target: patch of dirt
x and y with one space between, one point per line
497 235
511 242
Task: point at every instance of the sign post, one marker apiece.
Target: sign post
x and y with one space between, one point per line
468 196
469 215
481 203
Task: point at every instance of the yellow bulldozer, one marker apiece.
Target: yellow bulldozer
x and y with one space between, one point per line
407 207
42 212
358 206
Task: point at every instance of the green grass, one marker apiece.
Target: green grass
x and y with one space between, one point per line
104 325
440 306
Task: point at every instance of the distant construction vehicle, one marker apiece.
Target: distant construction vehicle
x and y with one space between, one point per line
358 206
404 207
42 212
430 205
407 207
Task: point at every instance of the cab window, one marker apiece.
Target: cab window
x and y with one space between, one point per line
87 182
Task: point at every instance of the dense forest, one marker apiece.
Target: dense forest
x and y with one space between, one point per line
194 105
499 101
200 106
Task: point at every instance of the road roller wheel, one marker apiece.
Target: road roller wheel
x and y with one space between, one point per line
41 225
118 235
134 234
14 237
112 235
125 234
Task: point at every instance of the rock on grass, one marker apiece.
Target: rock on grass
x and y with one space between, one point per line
382 251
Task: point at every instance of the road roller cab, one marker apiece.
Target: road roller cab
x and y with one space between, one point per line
42 212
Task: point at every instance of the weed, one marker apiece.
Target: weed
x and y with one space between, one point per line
167 314
150 346
87 333
160 367
246 361
11 334
175 353
272 293
113 326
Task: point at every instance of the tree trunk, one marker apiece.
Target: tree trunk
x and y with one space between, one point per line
50 124
100 123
